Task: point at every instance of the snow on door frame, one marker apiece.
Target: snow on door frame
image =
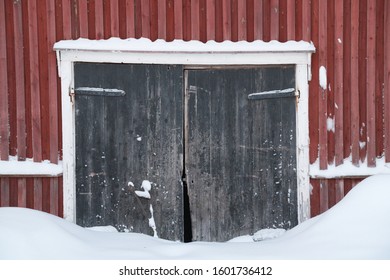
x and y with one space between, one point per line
191 53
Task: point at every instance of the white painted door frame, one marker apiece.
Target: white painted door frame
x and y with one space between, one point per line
193 53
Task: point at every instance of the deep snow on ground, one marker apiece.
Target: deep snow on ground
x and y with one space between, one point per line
356 228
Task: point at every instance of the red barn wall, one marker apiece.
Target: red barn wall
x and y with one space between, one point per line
350 36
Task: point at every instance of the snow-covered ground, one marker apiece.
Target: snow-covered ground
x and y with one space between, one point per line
356 228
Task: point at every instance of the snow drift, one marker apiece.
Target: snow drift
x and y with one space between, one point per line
356 228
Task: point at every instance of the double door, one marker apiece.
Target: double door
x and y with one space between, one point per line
185 154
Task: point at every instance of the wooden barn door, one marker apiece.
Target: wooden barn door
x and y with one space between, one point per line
129 127
240 155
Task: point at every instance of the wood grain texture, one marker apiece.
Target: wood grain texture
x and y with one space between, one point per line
132 138
240 153
4 125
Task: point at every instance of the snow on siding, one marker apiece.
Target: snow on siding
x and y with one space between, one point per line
323 79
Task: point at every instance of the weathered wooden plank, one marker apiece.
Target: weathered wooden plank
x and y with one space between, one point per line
82 16
202 21
45 194
26 54
138 19
38 197
363 78
43 79
52 83
210 19
114 17
233 158
130 19
153 10
162 20
22 192
370 89
178 13
145 18
347 78
387 81
34 80
331 193
330 73
195 35
306 19
339 189
250 21
12 111
314 89
323 91
291 14
234 20
266 20
227 20
4 118
186 20
4 192
107 19
274 24
66 19
242 21
258 19
13 192
99 19
324 195
315 198
338 82
19 71
122 19
130 139
218 21
54 196
379 77
282 20
60 197
170 21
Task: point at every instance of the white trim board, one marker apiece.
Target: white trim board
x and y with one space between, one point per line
192 53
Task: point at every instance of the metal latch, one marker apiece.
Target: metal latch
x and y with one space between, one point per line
111 92
278 93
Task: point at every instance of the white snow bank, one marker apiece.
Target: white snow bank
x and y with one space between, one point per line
261 235
146 45
13 167
356 228
347 169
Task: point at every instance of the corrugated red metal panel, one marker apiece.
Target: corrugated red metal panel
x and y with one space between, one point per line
386 89
4 115
351 39
354 80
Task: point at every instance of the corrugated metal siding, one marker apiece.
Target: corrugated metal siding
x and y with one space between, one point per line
350 37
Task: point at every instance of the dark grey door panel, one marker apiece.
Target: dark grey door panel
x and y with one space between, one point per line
130 131
240 153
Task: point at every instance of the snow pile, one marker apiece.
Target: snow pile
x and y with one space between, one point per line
348 169
356 228
261 235
146 45
29 167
